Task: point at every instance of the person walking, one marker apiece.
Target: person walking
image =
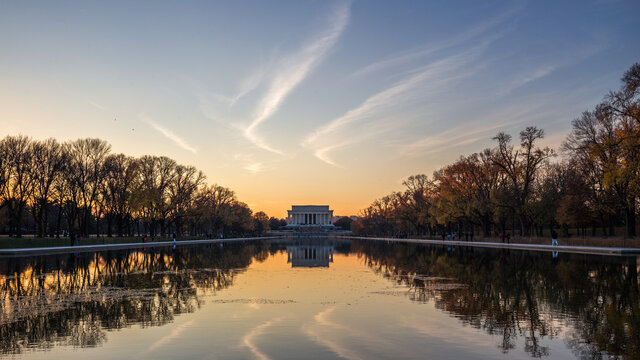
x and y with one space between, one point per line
554 238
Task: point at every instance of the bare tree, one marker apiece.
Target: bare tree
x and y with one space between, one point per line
18 158
121 174
85 172
152 195
213 208
521 167
48 162
182 191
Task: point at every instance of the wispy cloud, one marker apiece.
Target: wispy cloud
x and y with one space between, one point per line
444 64
246 86
167 133
174 334
526 78
323 153
530 110
255 167
456 40
98 106
571 57
454 137
339 338
376 103
414 87
248 339
322 318
250 163
340 350
439 329
375 128
293 71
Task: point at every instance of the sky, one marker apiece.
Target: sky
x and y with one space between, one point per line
309 101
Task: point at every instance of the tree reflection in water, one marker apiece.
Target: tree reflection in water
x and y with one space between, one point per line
73 299
592 300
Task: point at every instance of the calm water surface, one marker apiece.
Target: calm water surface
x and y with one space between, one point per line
319 299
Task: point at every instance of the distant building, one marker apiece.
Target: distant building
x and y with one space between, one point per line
309 216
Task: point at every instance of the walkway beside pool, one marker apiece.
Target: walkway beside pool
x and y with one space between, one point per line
104 247
593 250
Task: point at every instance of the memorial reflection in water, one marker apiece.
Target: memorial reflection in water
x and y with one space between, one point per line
307 255
524 303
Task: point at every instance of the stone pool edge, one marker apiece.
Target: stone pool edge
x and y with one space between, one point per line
593 250
104 247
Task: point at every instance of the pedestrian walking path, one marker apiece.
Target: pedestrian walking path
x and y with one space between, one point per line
595 250
92 248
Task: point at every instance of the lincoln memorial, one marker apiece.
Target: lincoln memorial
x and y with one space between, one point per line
309 216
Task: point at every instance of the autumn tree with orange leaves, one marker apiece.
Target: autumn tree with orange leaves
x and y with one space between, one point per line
594 185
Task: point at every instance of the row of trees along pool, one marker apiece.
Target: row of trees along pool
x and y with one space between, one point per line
591 183
48 187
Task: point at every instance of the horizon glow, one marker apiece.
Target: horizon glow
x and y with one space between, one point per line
308 102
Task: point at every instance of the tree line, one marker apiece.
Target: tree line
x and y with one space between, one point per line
590 184
52 188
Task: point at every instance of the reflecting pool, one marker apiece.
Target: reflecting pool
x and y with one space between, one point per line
319 298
